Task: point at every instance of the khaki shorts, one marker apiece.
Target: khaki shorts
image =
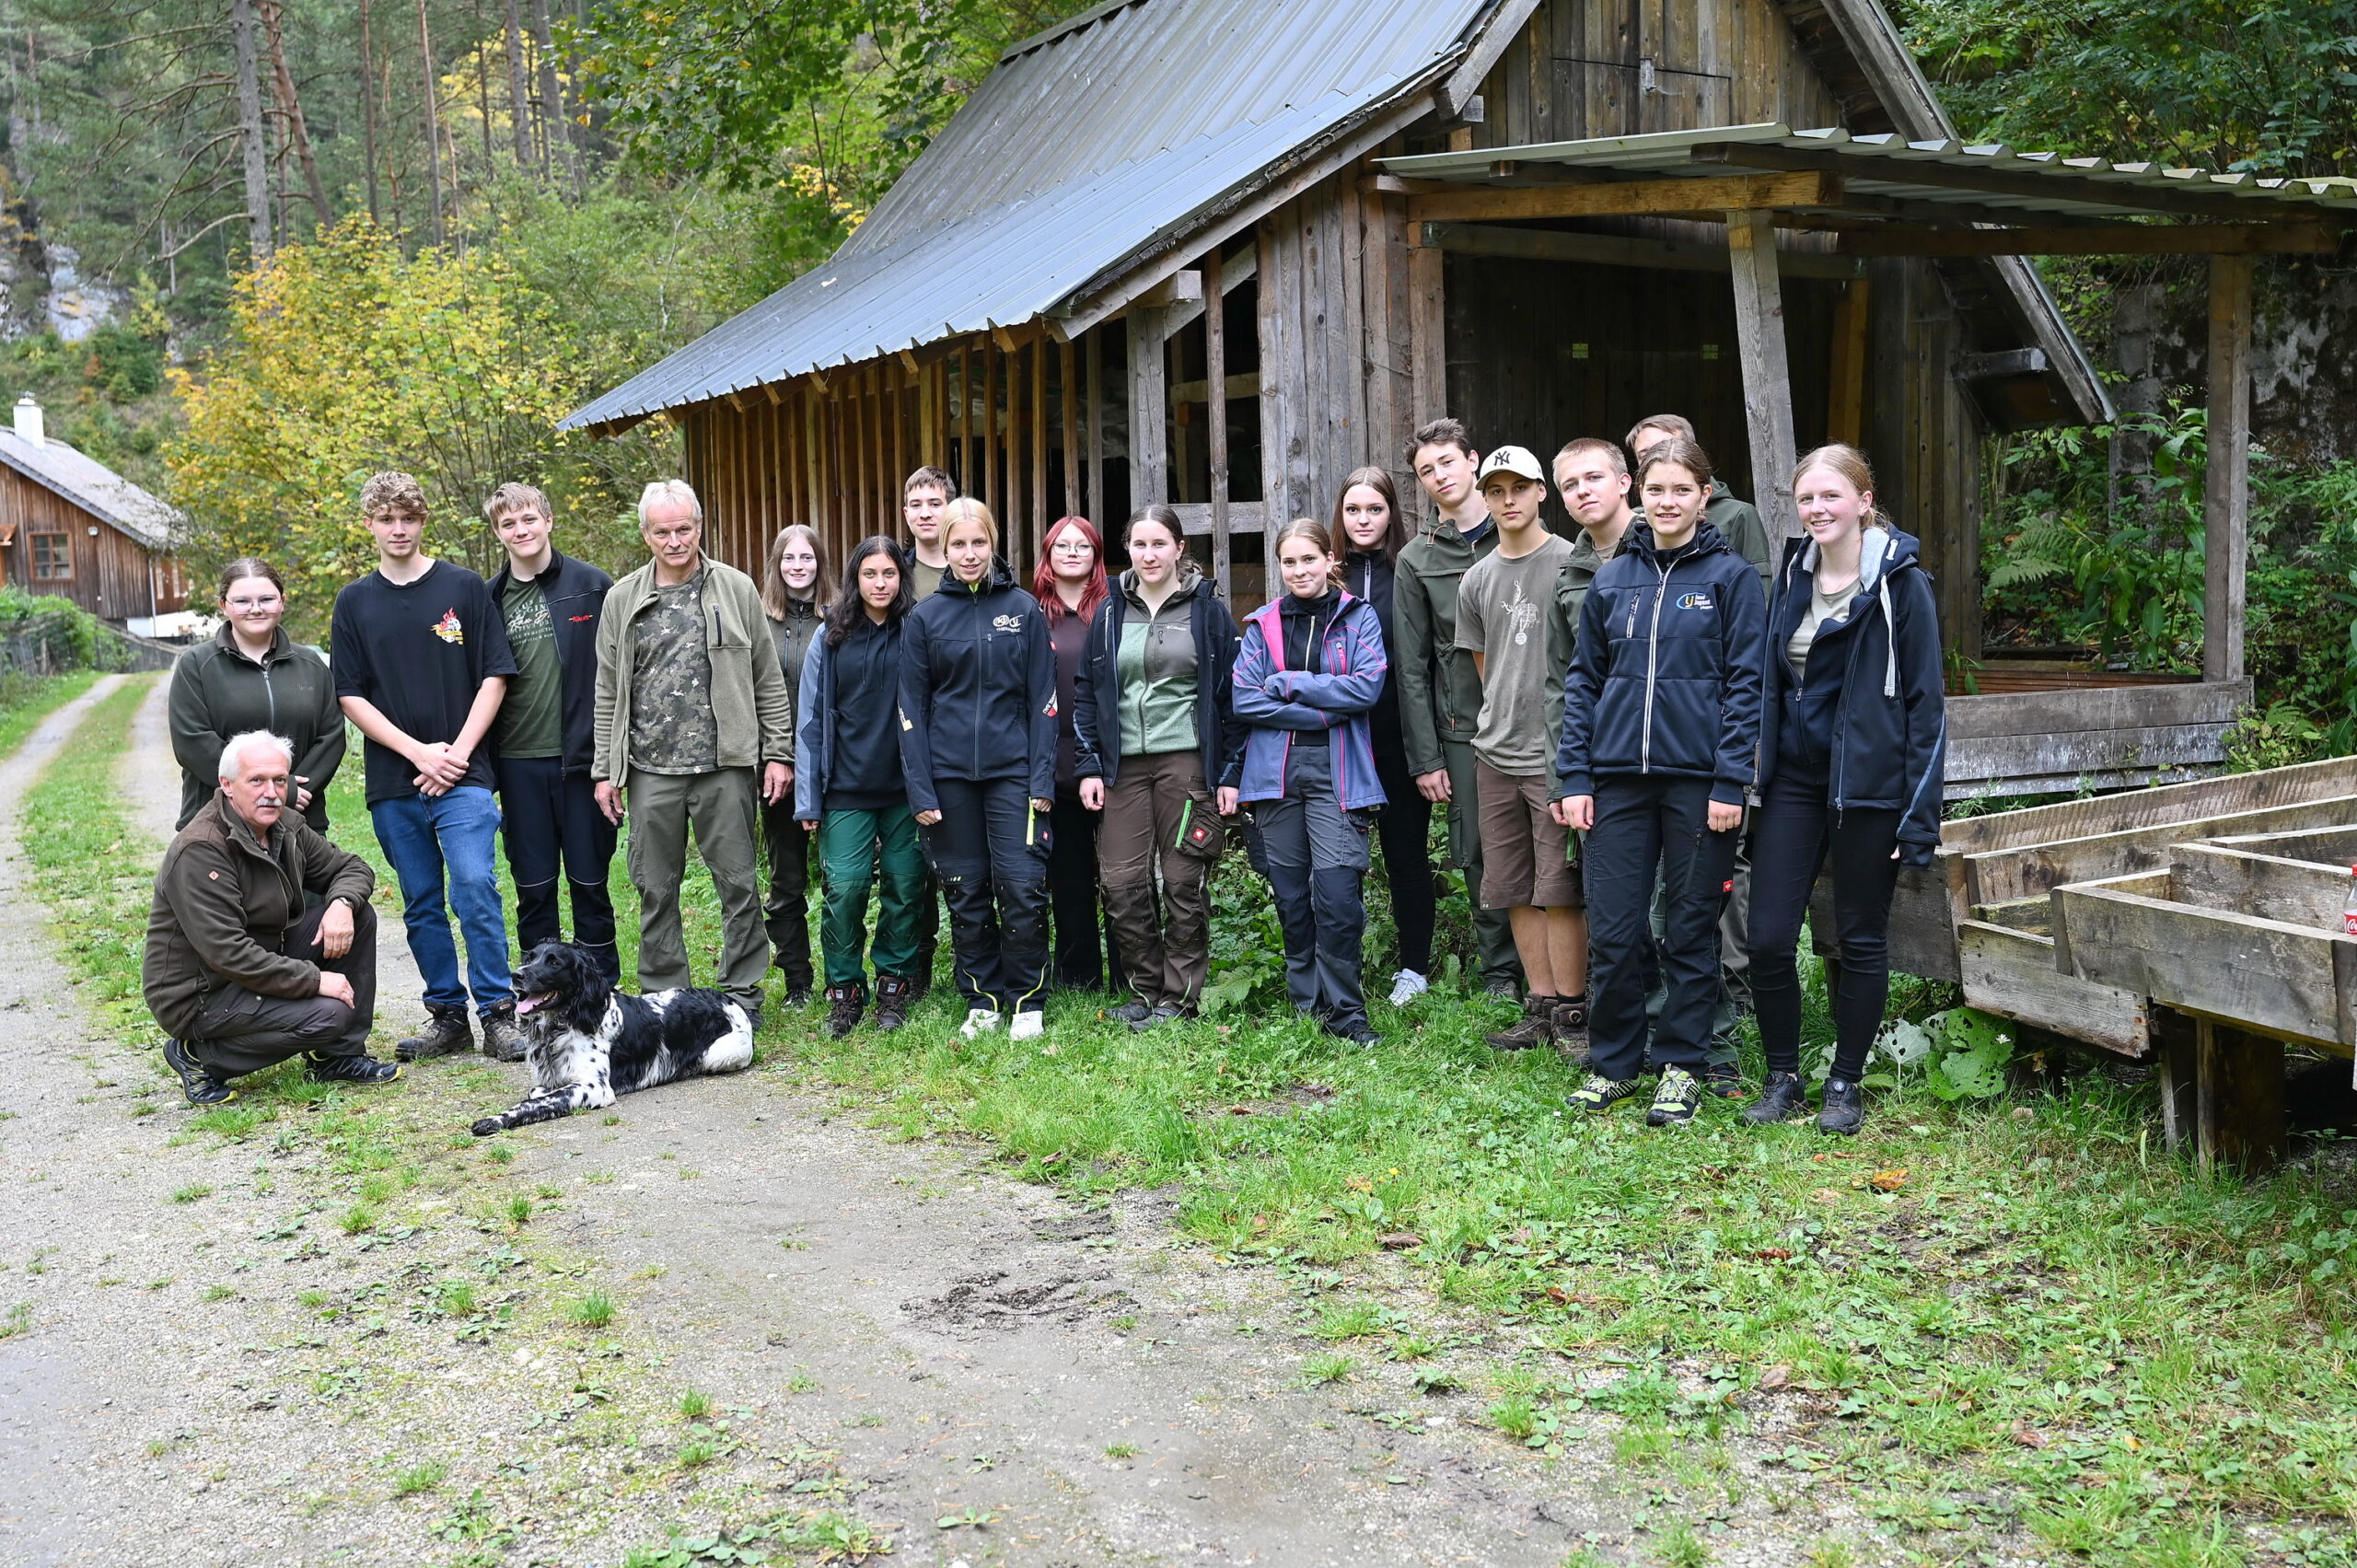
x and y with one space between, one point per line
1524 850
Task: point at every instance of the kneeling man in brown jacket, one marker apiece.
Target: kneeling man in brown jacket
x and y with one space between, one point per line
238 974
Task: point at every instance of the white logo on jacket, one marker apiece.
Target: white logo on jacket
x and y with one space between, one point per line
1007 623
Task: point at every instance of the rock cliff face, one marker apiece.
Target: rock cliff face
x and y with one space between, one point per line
42 286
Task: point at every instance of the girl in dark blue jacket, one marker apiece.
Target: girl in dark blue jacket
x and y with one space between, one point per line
977 739
1661 721
1852 757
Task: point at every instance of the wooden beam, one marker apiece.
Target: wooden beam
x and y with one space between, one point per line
1766 377
2226 499
1845 409
966 425
2111 239
1742 192
1093 346
1243 384
1216 408
1617 251
1427 338
1036 523
1456 97
1149 409
1065 369
1172 290
2238 1097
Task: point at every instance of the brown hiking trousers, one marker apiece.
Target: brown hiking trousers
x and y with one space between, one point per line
1160 811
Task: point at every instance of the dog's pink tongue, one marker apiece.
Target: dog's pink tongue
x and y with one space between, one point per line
525 1004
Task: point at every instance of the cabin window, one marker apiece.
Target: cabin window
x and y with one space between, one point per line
52 558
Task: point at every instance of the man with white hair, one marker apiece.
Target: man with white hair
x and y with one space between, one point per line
694 724
237 973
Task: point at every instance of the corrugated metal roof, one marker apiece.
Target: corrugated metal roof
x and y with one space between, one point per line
1880 166
1086 147
91 485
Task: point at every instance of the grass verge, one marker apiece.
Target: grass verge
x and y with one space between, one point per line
89 866
23 704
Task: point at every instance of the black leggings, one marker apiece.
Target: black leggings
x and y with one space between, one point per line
1404 825
1795 833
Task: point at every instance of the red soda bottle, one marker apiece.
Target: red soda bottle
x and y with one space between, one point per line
2348 906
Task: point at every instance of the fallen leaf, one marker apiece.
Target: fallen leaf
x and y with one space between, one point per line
1773 1254
1827 1194
2029 1436
1715 1172
1889 1180
1776 1376
1240 1111
1557 1293
2130 1441
1260 1222
1400 1240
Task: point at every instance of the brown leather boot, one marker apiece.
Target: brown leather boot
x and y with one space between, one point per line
1536 1028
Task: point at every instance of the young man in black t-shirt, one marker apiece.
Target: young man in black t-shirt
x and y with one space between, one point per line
421 661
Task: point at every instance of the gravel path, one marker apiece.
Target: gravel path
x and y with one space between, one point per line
893 1330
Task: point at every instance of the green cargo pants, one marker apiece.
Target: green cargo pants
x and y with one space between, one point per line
857 850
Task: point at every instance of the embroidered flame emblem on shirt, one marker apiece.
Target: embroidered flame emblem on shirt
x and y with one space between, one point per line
448 629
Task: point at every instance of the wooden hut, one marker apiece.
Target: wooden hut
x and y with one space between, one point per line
1221 252
73 526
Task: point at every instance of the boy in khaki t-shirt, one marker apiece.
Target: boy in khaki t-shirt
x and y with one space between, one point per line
1503 621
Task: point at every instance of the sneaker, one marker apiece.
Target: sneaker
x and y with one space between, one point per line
446 1033
894 997
1406 986
1027 1024
1168 1013
1845 1108
1675 1099
502 1040
845 1004
1782 1098
350 1069
1536 1027
798 994
1725 1079
1570 1021
1133 1012
197 1081
1600 1093
980 1021
1502 986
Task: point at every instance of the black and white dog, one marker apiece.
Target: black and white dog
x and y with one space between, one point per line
588 1042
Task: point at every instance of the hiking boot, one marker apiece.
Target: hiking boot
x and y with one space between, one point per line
1406 986
1600 1093
1357 1030
350 1069
1168 1013
502 1040
1029 1024
1133 1012
1536 1027
845 1004
197 1081
1502 986
980 1021
446 1033
1723 1079
894 997
1675 1099
1845 1108
1783 1098
1570 1022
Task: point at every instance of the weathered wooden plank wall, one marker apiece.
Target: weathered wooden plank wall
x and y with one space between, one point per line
1313 329
111 574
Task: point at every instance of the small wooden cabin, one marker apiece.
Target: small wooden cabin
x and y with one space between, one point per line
73 526
1221 252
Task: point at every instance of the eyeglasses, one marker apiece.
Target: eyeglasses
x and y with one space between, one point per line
246 606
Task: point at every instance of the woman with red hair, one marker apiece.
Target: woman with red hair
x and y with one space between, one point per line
1069 585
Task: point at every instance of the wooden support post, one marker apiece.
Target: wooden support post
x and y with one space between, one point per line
1427 338
895 383
1093 347
1845 412
992 495
928 415
2173 1040
2225 500
1216 408
1149 409
965 424
1041 513
1070 396
2238 1097
1767 376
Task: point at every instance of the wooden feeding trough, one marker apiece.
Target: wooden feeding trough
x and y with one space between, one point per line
2200 924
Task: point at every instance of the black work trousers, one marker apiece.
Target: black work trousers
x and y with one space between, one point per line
550 823
1404 825
240 1031
1646 827
1081 963
990 849
785 906
1797 833
1316 859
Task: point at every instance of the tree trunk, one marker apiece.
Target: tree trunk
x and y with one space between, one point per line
368 111
552 96
292 107
249 130
433 123
519 102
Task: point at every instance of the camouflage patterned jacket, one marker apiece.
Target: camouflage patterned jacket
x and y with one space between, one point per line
751 707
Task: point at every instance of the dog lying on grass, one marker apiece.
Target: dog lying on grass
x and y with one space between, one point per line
588 1042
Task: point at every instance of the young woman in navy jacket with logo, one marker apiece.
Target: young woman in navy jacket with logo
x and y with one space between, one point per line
1661 722
978 740
1852 752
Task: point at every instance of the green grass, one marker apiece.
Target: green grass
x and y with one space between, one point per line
31 703
593 1310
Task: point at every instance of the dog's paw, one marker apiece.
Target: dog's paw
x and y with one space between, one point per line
489 1125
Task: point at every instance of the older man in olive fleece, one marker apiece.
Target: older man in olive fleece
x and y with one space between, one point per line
237 973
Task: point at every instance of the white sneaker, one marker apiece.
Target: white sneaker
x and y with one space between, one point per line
980 1021
1406 986
1028 1026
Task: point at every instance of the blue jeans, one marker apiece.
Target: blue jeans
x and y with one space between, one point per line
420 835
